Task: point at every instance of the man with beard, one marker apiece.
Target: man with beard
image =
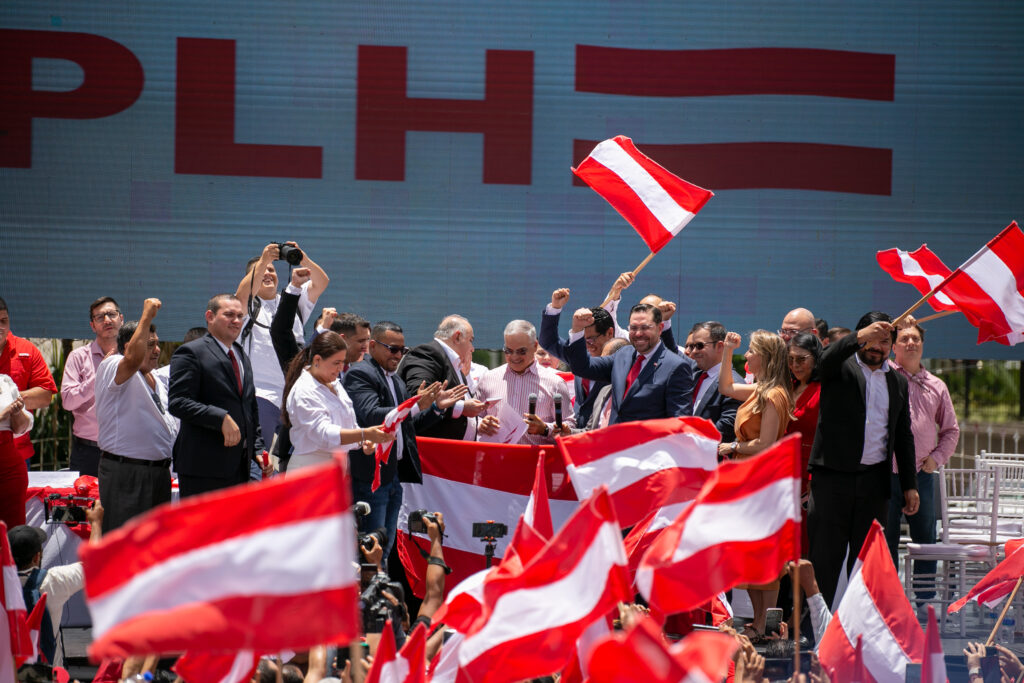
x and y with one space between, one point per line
864 420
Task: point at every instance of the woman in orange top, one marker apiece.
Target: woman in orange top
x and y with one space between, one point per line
760 421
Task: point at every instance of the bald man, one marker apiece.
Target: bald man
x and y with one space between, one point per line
796 321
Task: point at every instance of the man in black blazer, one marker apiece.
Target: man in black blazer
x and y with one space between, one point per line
441 361
375 388
704 346
863 423
212 393
648 381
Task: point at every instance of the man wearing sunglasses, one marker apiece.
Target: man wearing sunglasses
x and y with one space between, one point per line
705 345
375 389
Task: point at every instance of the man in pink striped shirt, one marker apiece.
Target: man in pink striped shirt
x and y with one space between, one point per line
519 377
933 422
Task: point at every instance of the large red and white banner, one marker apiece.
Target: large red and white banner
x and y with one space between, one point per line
645 465
875 608
239 569
921 268
476 482
743 526
657 203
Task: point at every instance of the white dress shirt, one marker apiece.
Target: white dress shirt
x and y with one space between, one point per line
876 425
515 389
318 415
130 421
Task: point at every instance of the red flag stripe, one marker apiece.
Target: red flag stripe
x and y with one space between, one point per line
299 622
920 268
996 272
998 583
595 445
735 71
169 531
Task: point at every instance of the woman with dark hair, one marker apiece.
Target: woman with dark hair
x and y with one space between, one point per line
804 353
317 409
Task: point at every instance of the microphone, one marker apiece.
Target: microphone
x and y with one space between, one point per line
533 404
361 509
558 411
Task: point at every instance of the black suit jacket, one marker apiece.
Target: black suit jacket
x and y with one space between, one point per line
559 348
839 442
202 390
366 385
719 409
429 363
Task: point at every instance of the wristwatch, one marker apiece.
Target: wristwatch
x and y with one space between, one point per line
735 447
976 671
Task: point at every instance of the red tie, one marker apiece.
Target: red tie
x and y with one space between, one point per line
696 388
585 383
634 372
238 373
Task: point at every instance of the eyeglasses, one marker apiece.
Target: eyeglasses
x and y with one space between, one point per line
791 333
400 350
516 352
641 328
108 315
799 360
591 341
698 346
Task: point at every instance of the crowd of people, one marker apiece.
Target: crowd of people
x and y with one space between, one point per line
247 397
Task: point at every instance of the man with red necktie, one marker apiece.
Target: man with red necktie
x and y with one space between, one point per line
704 346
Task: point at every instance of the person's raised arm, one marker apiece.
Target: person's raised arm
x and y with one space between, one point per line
580 362
318 278
726 385
137 348
254 278
281 334
433 592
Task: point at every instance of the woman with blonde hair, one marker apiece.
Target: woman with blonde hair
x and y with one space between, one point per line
760 421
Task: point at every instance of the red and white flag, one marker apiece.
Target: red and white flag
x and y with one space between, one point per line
18 645
644 532
920 268
874 607
645 465
475 482
933 661
409 665
657 203
239 569
206 667
392 422
34 623
743 526
641 655
533 619
989 288
538 510
1000 580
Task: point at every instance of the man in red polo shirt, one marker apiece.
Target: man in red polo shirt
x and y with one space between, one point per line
25 365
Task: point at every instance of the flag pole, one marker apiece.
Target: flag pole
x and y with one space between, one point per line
929 295
643 264
936 316
795 580
1002 615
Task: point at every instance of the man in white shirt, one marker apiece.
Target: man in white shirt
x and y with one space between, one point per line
258 292
77 389
136 433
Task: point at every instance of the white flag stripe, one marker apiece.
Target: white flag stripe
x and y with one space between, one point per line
999 282
763 513
240 667
473 504
395 671
659 202
858 615
913 269
236 567
447 668
667 515
626 467
13 599
528 611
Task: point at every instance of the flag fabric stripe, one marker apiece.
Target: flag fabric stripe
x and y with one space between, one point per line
933 664
920 268
992 274
233 567
303 495
595 445
859 615
202 667
997 584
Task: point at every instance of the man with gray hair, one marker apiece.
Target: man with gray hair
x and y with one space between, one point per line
509 387
439 361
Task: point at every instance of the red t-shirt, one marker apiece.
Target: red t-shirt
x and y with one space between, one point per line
25 365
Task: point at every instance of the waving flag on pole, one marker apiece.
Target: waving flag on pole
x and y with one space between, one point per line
392 421
538 510
920 268
933 663
19 640
999 582
989 288
34 623
657 203
743 526
406 666
645 465
875 608
239 569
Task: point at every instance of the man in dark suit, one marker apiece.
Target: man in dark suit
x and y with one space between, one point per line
648 381
375 389
595 336
212 393
704 346
863 422
441 361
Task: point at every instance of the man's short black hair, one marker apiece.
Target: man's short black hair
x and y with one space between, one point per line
3 304
217 300
250 263
716 330
874 317
603 320
194 333
647 308
99 302
822 327
382 326
124 335
348 323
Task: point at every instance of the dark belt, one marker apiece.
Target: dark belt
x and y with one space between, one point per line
136 461
87 442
